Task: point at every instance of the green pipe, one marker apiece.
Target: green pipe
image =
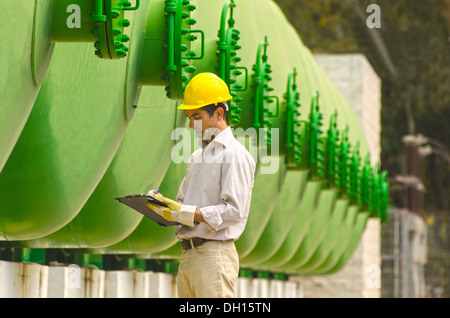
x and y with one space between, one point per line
16 104
266 186
342 242
98 15
280 222
315 233
224 51
103 221
149 237
58 176
299 226
151 66
125 7
171 10
358 231
261 57
290 110
65 12
330 239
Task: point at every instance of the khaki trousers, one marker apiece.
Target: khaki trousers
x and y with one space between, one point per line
208 271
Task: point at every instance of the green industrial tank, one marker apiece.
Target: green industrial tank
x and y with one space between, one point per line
18 83
100 98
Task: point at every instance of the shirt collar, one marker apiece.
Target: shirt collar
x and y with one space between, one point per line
223 138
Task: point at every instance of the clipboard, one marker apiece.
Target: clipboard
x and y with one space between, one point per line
138 202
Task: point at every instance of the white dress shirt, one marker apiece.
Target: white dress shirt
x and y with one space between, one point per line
219 181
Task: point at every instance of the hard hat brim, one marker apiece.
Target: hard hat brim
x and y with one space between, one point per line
186 107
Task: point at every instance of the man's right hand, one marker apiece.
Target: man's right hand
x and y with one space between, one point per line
158 195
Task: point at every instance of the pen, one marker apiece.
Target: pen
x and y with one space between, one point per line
157 190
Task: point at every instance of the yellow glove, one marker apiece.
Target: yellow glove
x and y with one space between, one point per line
175 212
159 196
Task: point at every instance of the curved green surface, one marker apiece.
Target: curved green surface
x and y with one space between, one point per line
332 231
320 221
341 242
69 140
358 231
149 237
300 225
280 221
15 104
266 186
103 221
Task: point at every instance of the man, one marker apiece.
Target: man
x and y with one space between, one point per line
214 197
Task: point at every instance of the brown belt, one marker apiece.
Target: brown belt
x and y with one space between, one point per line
192 243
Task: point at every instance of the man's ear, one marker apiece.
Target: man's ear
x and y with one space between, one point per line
219 112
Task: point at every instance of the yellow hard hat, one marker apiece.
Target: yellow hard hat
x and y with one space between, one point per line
205 89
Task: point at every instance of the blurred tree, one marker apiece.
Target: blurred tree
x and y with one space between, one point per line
410 53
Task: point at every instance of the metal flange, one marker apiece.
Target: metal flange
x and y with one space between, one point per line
100 21
384 197
293 137
316 142
343 162
227 68
332 154
366 183
261 97
179 37
110 25
354 188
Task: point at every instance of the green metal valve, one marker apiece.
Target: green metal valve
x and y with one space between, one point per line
366 183
97 16
367 186
110 24
374 201
332 151
166 52
374 191
293 139
261 78
178 43
343 163
316 143
226 50
99 21
384 197
126 5
354 189
379 196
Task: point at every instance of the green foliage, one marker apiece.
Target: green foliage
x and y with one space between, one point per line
410 53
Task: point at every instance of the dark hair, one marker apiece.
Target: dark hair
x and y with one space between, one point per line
211 108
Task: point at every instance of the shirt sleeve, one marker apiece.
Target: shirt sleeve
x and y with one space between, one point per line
237 177
184 183
181 191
